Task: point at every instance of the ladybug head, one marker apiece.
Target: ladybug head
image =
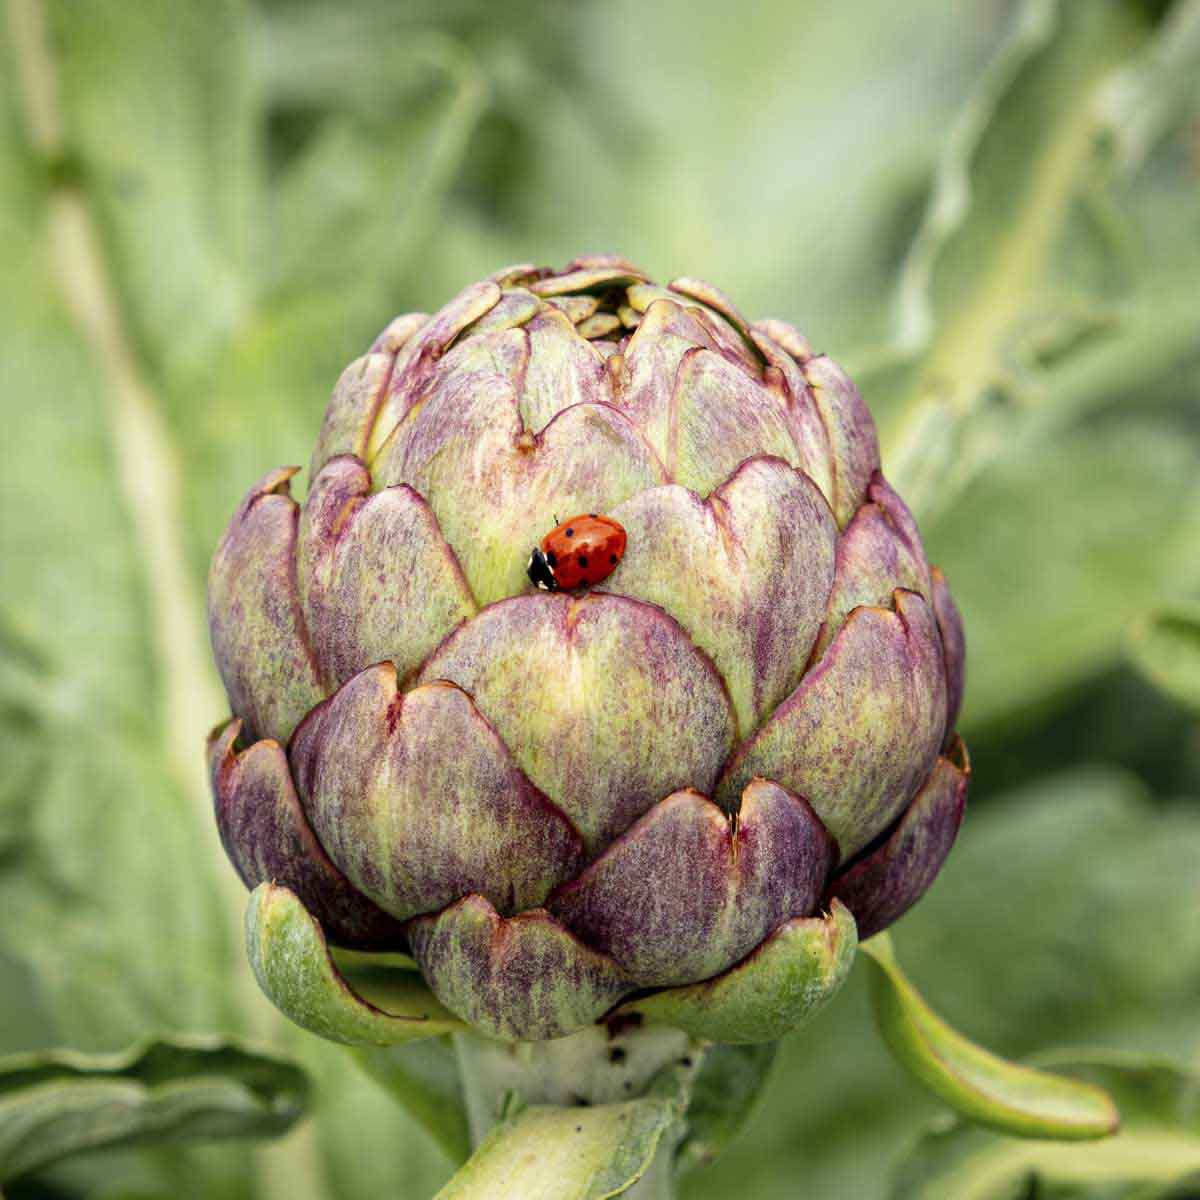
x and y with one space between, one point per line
539 571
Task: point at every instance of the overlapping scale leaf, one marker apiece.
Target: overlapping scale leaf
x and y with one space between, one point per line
417 364
494 485
862 730
519 978
853 441
682 894
746 572
605 702
787 979
879 552
376 577
646 387
515 308
782 374
268 839
255 620
564 369
954 645
602 272
720 417
419 802
350 414
417 361
716 300
883 885
786 336
726 338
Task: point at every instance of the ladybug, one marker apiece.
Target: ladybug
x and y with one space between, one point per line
580 552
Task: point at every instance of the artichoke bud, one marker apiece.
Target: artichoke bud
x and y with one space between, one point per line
674 785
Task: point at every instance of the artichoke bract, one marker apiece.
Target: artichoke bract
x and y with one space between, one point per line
684 792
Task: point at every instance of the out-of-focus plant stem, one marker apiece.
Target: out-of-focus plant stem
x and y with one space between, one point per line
148 470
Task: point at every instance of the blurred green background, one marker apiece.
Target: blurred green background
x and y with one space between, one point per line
989 211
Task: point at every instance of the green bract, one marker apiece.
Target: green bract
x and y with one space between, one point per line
675 794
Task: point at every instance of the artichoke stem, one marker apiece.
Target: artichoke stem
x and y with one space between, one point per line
604 1064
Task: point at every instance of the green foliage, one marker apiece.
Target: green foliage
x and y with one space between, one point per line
424 1077
724 1093
1156 1151
207 210
57 1105
549 1152
984 1088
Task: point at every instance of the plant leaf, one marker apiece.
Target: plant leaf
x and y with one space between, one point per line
168 159
778 987
59 1103
423 1077
1065 916
976 1083
293 966
1091 530
725 1091
1165 647
552 1153
1155 1152
1040 273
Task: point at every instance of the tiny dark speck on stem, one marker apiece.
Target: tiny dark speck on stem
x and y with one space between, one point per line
616 1055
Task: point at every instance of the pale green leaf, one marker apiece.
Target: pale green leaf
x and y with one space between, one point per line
788 979
1156 1150
58 1104
552 1153
1143 101
169 156
292 964
1053 552
1037 275
979 1085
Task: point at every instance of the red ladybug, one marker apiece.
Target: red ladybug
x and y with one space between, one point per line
580 552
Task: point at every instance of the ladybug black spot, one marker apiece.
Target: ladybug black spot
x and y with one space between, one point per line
570 533
612 558
583 562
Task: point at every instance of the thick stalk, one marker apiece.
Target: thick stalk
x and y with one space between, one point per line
599 1065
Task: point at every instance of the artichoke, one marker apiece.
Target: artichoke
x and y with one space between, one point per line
684 792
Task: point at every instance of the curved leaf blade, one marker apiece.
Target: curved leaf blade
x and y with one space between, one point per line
292 964
977 1084
1156 1153
774 990
58 1104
